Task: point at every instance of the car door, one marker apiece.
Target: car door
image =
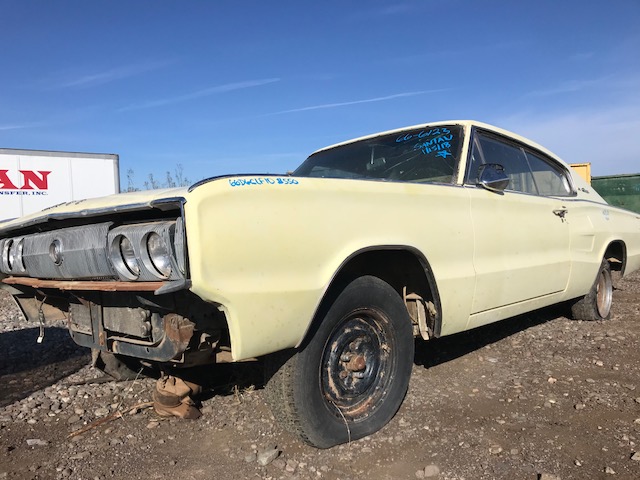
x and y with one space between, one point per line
522 238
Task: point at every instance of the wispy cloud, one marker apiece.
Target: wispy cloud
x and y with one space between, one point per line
12 127
394 9
620 84
570 86
87 80
582 56
228 87
606 137
453 53
385 11
19 126
357 102
316 77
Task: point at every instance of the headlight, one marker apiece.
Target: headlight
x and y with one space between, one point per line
55 252
16 261
6 248
159 255
123 257
146 252
12 255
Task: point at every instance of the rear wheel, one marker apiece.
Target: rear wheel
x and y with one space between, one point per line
596 305
349 380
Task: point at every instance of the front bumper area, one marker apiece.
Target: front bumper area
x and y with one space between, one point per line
135 332
135 323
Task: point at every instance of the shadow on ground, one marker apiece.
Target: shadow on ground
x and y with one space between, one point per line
230 379
27 366
441 350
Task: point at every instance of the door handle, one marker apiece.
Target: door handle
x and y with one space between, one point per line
560 212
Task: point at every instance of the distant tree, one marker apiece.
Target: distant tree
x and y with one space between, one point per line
169 180
177 179
181 180
151 183
131 185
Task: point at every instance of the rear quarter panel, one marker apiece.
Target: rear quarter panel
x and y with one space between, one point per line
594 225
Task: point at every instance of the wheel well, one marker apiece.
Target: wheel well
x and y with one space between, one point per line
405 269
616 255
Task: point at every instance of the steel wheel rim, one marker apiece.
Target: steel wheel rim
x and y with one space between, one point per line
356 365
604 293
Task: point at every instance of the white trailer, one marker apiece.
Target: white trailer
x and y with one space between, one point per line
31 180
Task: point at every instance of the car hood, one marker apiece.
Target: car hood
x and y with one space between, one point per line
91 207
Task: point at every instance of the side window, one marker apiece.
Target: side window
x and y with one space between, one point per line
475 162
549 179
528 172
509 156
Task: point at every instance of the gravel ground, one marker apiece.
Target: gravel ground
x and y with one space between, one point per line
535 397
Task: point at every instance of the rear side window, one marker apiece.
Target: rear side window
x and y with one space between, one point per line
528 171
548 180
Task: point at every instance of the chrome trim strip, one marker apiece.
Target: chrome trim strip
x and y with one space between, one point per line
161 204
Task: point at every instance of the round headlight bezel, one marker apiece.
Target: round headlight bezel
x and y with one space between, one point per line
124 258
55 252
6 248
12 255
19 256
158 257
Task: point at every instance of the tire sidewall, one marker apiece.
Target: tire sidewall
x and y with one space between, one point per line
321 420
605 270
586 308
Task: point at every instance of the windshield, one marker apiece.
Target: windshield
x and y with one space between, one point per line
424 155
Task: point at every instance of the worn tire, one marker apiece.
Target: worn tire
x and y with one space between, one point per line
351 377
596 305
118 367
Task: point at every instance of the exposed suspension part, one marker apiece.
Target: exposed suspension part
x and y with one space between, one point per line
421 312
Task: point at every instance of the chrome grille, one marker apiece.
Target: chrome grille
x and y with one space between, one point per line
83 253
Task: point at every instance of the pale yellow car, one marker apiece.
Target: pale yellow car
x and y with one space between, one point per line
331 272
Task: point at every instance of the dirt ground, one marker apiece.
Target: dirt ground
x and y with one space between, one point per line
538 396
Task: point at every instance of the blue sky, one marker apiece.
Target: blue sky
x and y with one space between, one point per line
254 86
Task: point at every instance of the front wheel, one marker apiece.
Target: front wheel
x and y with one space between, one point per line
349 380
596 305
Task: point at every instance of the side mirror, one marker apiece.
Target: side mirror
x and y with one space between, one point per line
492 177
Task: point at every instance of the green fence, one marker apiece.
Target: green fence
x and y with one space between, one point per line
619 190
